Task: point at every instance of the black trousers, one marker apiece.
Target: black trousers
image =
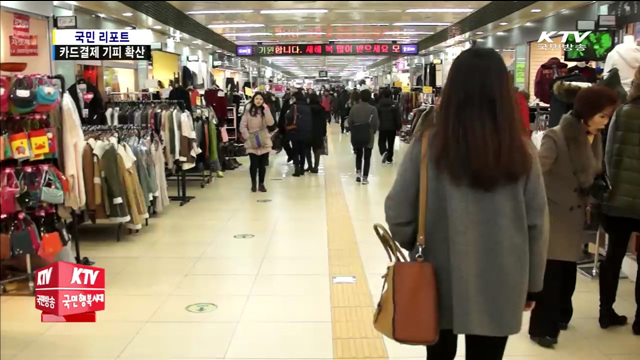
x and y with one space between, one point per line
300 152
314 161
258 167
343 119
386 140
286 145
619 230
554 305
366 153
476 347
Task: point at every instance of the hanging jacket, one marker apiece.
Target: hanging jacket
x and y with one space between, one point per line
626 58
548 71
389 115
622 159
215 98
90 112
612 81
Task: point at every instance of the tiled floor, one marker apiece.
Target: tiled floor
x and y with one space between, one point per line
273 291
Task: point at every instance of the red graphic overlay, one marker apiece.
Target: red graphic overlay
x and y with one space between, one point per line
67 292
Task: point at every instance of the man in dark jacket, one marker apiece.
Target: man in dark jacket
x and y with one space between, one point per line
300 135
622 206
390 124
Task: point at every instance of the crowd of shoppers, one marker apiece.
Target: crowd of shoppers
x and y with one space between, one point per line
505 222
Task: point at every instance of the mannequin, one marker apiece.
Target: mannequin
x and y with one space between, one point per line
626 58
585 70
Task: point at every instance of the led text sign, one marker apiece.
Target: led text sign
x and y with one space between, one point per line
327 49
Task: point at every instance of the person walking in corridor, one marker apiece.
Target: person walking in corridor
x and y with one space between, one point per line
299 127
486 216
622 205
571 156
389 125
253 127
363 124
318 133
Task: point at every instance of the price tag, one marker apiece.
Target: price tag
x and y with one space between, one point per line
85 113
427 89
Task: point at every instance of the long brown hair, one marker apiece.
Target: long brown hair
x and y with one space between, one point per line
478 138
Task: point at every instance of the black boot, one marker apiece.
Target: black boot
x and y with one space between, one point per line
608 318
636 326
297 172
545 341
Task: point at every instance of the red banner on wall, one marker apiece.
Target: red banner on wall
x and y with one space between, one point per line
19 46
20 25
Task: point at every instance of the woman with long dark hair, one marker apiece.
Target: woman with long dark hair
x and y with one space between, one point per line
486 216
254 129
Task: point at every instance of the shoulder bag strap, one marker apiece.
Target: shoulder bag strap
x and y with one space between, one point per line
424 177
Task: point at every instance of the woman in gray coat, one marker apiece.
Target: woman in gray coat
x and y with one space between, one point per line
486 219
571 157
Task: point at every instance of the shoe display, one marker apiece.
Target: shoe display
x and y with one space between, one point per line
545 341
609 318
261 188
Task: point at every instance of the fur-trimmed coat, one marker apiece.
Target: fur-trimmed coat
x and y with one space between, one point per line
569 165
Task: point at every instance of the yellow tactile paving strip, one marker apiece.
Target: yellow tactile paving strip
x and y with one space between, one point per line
351 304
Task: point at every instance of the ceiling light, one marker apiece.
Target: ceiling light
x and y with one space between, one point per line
248 34
300 33
127 14
295 11
128 28
529 24
157 27
503 23
408 33
102 15
535 10
422 24
501 33
209 46
508 50
195 42
200 12
440 10
71 2
479 32
214 26
359 24
481 40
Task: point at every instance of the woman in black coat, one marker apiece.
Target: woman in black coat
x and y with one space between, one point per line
286 141
318 131
343 106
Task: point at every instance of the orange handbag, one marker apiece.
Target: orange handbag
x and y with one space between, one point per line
50 244
408 308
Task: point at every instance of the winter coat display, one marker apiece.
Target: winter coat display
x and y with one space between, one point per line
215 98
319 126
562 98
548 71
488 249
588 72
180 93
389 115
569 164
612 81
91 112
250 124
112 187
362 113
73 147
622 159
626 58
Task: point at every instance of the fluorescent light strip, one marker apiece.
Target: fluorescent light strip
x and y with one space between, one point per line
295 11
200 12
422 24
359 24
157 27
220 26
408 33
248 34
348 40
397 39
440 10
300 33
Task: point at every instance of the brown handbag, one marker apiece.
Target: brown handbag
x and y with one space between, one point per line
5 246
408 308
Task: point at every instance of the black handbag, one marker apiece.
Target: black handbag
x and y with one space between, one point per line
23 238
65 237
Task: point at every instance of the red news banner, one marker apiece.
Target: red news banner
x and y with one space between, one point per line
67 292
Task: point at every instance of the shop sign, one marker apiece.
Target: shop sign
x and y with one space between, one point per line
323 74
193 58
20 25
23 46
397 84
66 22
427 89
406 89
328 49
520 74
102 44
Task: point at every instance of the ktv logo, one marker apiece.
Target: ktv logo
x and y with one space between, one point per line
67 292
545 36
